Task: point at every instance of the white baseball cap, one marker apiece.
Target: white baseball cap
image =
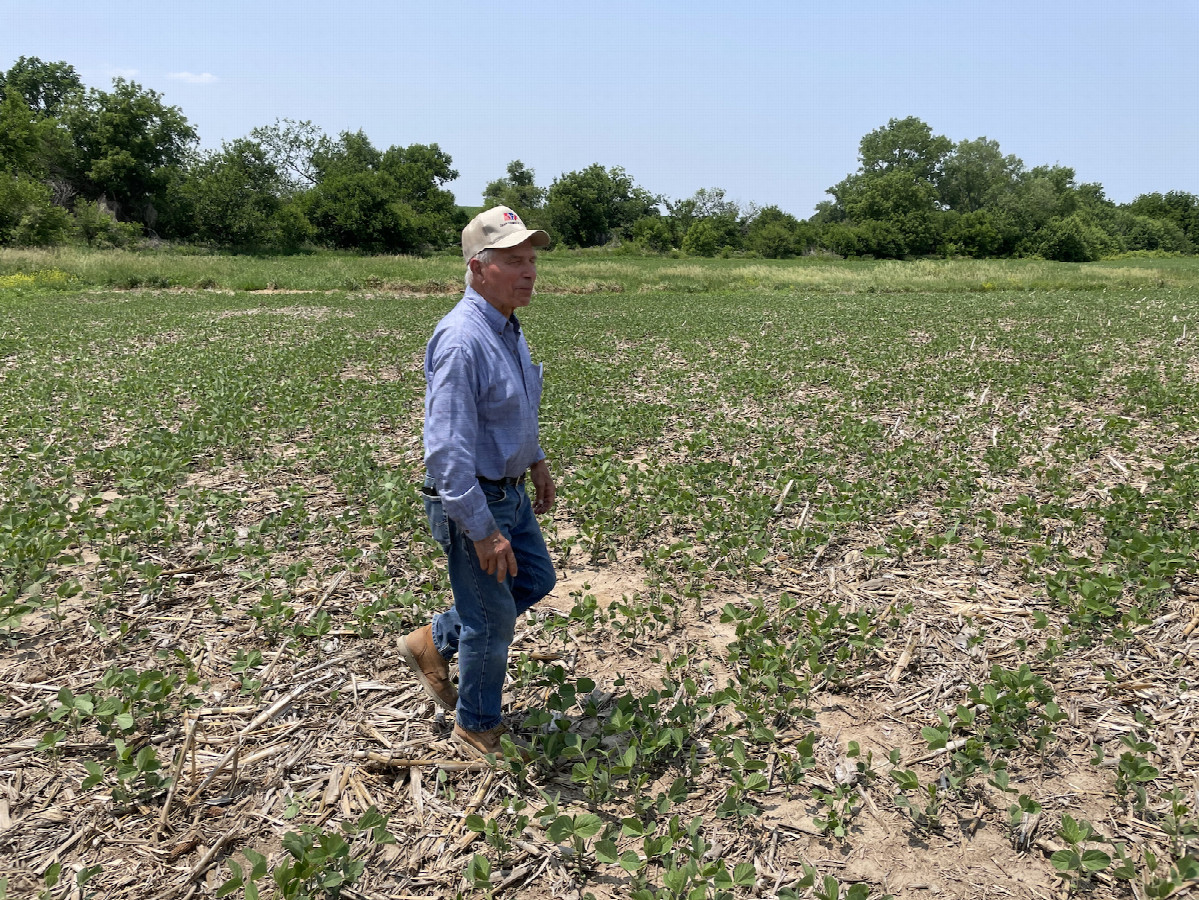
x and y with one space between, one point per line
497 228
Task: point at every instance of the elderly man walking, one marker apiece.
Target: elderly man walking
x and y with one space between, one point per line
481 443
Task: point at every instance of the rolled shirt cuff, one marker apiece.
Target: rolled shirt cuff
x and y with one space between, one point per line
478 527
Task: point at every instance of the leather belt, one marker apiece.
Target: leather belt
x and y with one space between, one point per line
430 491
503 482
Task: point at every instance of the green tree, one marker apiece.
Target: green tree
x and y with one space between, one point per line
1179 207
232 197
896 185
775 234
908 145
32 139
420 173
976 174
1040 195
653 233
27 215
972 234
708 205
21 137
44 87
351 154
887 240
290 147
129 146
98 227
384 202
1072 239
701 239
595 205
518 191
360 211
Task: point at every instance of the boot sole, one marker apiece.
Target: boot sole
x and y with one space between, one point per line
410 660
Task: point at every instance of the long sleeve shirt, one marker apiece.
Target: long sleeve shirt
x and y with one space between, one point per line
482 393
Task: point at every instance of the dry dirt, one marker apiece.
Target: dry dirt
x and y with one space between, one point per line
340 726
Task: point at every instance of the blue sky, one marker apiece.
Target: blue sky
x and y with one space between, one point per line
765 100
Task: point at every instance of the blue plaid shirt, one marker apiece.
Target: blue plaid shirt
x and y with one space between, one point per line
482 393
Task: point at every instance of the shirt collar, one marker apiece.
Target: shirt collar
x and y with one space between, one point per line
494 318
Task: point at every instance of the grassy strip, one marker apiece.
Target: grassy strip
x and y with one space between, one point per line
574 272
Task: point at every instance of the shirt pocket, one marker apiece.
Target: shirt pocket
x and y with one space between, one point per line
502 400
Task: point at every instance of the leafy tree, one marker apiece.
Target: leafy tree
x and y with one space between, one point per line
842 239
1073 239
899 199
885 196
420 172
1147 233
701 239
518 191
21 137
1179 207
351 154
27 215
896 184
775 234
1039 195
291 147
31 140
886 240
129 146
908 145
232 197
712 207
591 207
44 87
389 202
98 227
360 211
973 234
653 233
976 174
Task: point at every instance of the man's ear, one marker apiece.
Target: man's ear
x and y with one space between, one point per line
476 268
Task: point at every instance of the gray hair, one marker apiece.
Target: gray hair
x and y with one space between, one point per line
484 257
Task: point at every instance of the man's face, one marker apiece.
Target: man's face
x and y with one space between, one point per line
506 281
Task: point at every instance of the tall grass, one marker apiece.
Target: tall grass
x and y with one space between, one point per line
573 272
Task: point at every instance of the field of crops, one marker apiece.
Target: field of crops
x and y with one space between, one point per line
875 578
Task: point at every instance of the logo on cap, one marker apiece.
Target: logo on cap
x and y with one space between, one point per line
511 217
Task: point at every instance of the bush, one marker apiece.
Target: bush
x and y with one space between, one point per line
99 228
772 240
1145 233
360 211
653 233
294 228
1073 239
972 234
842 240
27 216
881 240
702 239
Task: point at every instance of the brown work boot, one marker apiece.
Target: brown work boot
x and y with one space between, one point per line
483 743
432 671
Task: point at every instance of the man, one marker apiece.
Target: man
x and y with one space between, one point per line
481 443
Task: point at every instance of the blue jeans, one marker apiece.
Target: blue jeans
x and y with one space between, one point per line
480 625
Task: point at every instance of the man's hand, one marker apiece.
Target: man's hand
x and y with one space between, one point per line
496 556
543 483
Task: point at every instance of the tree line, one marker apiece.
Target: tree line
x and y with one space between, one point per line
108 168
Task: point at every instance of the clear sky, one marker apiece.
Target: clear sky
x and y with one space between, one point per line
765 100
